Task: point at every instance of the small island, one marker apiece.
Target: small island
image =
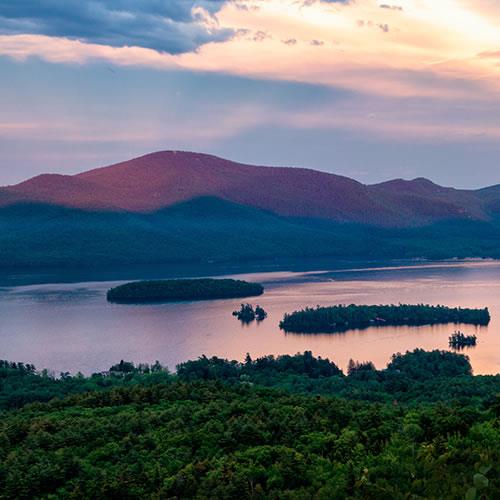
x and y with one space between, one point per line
176 290
342 318
247 314
460 341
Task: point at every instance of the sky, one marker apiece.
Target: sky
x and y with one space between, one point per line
369 89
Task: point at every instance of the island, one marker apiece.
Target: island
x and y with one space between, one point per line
247 314
460 341
340 318
182 289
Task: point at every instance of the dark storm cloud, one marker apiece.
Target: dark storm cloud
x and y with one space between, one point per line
172 26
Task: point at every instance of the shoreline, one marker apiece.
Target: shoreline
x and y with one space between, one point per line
10 278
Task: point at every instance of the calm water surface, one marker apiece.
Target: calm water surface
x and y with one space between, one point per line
71 327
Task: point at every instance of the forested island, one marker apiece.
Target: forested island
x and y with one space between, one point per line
274 427
183 289
459 340
246 313
341 318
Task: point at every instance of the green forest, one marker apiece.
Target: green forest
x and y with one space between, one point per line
274 427
213 230
341 318
183 289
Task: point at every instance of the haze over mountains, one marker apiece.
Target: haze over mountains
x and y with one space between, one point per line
160 180
170 207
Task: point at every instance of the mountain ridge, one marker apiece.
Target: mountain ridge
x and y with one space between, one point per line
159 180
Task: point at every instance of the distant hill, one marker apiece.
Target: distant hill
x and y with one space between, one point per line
160 180
173 207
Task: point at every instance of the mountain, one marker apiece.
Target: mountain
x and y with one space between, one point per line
173 207
161 180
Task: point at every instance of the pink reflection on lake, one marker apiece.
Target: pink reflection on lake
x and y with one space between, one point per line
71 327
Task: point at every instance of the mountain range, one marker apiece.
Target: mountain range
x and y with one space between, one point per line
160 180
171 206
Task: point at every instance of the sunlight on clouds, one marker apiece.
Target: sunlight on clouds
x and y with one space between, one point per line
361 41
437 49
367 46
62 50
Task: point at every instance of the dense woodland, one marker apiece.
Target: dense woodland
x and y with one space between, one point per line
285 427
183 289
214 230
341 318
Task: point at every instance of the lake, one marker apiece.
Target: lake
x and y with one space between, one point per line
71 327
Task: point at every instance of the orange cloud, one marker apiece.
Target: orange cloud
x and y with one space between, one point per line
367 46
445 49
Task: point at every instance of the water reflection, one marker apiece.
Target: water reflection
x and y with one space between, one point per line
71 327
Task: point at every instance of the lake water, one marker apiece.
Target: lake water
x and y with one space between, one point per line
71 327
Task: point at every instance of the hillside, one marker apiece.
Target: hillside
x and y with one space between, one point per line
159 180
213 230
275 427
184 207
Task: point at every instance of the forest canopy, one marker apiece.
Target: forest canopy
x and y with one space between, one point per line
183 289
340 318
274 427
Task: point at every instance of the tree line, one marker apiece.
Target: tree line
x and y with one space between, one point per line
182 289
341 317
273 427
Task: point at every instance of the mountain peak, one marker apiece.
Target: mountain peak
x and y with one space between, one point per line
404 184
161 179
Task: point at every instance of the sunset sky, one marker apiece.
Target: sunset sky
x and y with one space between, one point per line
369 89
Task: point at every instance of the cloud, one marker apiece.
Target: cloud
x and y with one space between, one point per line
260 36
370 24
417 52
171 26
391 7
489 55
245 7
